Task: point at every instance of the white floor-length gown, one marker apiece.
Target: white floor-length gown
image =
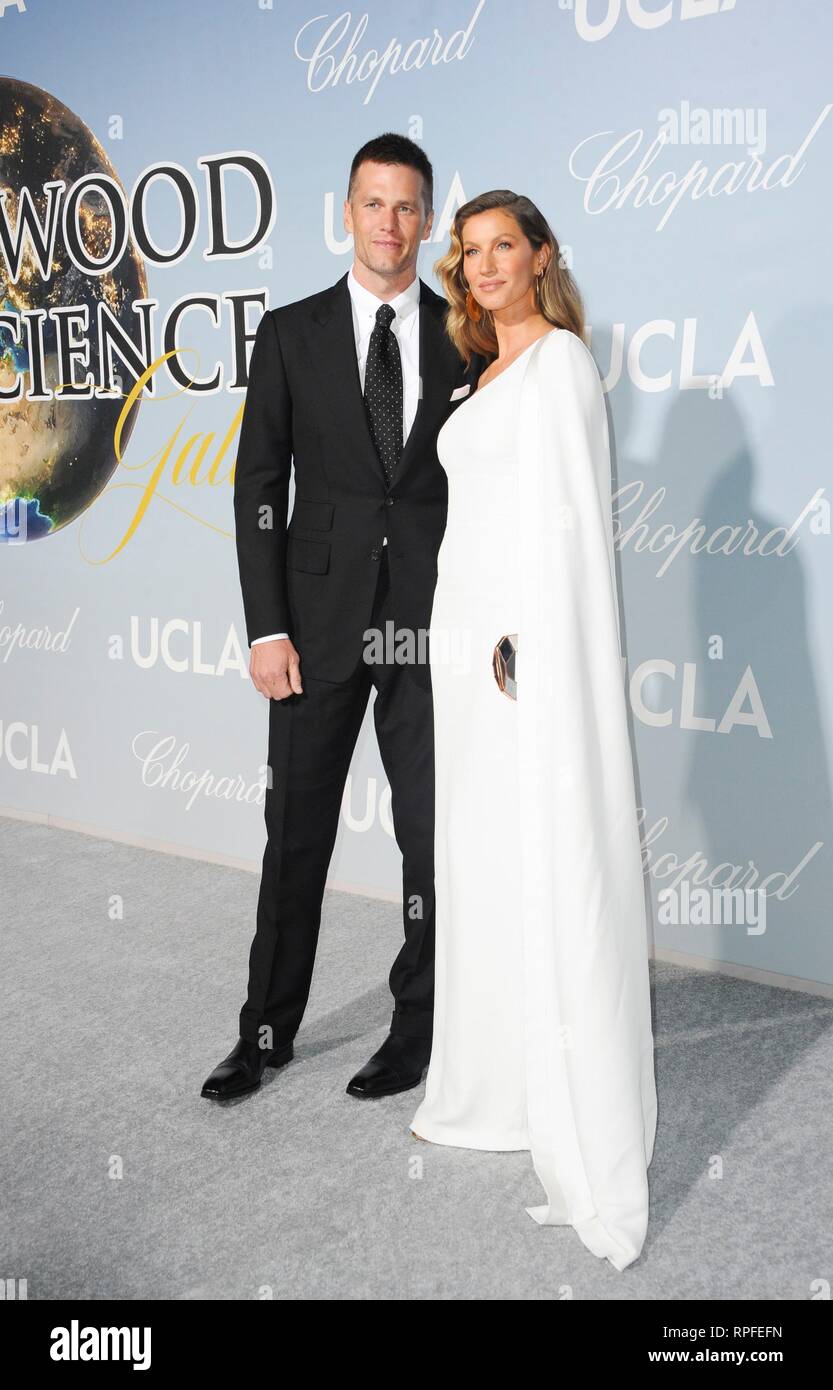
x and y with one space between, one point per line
542 1022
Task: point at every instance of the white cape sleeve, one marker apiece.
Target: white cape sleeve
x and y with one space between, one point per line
591 1093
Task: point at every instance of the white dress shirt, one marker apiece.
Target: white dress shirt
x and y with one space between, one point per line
406 328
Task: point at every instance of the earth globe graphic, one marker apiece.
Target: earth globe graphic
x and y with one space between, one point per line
56 455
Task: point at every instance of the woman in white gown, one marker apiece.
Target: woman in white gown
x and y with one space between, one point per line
542 1022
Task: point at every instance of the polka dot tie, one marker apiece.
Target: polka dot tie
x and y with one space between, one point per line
383 390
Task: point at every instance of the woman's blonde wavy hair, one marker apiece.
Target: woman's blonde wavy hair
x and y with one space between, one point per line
560 300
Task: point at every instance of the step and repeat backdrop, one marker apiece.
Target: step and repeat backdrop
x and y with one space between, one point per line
170 168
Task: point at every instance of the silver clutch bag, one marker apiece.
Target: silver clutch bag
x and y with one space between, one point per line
503 665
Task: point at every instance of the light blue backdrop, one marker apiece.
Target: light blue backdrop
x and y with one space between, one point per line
708 295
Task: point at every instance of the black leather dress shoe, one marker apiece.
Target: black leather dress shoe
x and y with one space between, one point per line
397 1066
243 1069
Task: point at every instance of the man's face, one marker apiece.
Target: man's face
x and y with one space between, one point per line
387 218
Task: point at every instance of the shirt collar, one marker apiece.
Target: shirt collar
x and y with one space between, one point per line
367 303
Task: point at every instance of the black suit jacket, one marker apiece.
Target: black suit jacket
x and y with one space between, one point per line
316 579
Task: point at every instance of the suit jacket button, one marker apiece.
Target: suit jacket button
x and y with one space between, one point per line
389 501
375 553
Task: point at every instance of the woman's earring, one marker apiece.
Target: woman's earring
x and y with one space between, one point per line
472 306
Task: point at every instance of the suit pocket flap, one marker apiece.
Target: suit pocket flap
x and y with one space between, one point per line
311 556
312 516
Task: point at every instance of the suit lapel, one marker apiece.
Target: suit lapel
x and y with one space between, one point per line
336 358
436 370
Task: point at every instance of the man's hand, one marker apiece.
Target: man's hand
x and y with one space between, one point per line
275 668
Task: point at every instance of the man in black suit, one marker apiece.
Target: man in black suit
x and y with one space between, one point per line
353 385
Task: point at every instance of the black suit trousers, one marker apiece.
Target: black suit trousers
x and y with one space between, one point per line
311 741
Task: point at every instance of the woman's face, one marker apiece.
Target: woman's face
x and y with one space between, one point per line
499 263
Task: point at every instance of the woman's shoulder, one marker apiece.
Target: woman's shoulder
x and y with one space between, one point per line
564 351
563 342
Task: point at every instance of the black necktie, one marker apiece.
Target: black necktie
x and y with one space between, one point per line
383 390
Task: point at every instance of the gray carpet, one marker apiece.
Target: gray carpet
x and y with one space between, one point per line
109 1028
